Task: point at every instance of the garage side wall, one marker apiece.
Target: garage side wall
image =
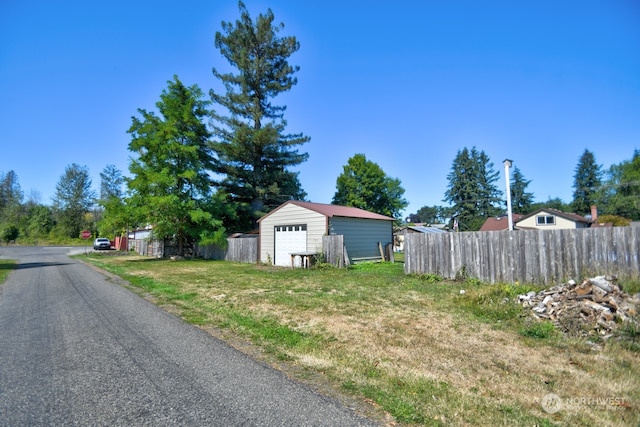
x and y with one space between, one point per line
291 215
361 236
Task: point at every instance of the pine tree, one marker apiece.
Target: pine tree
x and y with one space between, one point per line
170 185
253 153
521 200
472 191
587 182
10 191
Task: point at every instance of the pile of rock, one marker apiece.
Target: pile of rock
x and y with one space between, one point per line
595 306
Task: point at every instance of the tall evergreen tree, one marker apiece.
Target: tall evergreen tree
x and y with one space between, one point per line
253 153
586 184
472 191
73 200
363 184
10 192
521 200
170 187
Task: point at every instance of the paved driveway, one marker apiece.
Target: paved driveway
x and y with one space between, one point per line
78 349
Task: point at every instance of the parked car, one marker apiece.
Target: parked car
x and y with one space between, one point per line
101 243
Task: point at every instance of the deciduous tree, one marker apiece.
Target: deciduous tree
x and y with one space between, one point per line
621 191
73 199
114 216
254 153
430 215
169 185
363 184
111 183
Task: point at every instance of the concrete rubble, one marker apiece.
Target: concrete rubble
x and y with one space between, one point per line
595 306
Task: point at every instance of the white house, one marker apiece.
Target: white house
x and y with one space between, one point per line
298 227
552 219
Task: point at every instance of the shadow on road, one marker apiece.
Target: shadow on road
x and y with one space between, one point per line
8 266
38 264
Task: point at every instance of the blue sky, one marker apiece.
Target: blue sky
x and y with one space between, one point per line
407 83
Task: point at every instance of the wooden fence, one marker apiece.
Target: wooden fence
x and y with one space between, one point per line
526 256
146 247
242 250
237 250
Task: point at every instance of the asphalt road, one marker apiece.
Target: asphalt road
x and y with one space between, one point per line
78 349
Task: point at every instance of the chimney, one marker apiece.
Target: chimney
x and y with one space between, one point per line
594 213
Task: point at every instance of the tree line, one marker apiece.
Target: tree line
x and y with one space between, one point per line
202 168
473 196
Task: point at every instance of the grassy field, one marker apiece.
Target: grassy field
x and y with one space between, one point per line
407 350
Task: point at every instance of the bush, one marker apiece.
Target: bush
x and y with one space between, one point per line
10 233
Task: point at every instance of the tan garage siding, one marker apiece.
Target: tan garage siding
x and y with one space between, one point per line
290 214
361 236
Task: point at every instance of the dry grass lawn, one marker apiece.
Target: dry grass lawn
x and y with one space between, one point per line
412 348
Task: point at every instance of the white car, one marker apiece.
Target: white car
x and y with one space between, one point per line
101 243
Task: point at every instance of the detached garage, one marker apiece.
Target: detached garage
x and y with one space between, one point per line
296 227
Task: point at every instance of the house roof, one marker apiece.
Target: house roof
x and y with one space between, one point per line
499 223
332 210
420 229
570 216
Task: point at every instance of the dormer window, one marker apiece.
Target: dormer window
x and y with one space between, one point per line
545 220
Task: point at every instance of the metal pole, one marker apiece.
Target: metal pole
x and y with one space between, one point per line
507 166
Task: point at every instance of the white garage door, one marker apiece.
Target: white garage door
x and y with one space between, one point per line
289 238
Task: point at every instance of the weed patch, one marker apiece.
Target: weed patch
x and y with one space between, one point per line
539 330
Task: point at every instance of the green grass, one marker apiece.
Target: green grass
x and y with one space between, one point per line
539 330
386 337
6 267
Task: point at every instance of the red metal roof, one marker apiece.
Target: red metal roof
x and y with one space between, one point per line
499 223
333 210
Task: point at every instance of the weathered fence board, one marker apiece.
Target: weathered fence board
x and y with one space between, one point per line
242 250
237 250
528 256
333 249
148 247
